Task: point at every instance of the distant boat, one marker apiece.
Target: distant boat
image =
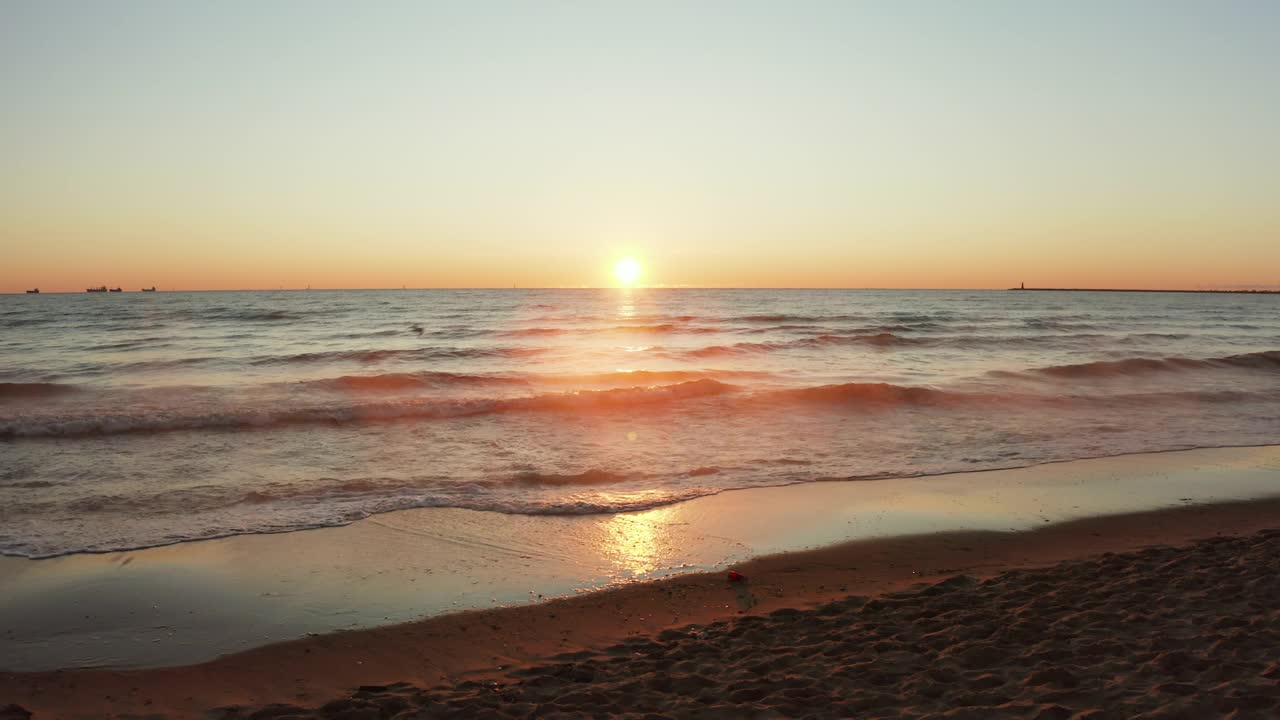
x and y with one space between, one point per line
97 289
116 290
150 289
34 292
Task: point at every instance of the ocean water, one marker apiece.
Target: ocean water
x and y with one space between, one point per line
132 420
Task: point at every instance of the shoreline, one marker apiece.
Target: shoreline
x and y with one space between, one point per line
374 515
476 643
193 602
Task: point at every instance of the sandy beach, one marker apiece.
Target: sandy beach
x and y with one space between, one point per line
894 627
1185 632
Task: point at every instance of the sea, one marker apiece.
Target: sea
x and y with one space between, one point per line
133 420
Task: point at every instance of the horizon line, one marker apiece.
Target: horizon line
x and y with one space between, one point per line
1256 289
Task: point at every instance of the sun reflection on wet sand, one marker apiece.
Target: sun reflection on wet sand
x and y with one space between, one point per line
635 544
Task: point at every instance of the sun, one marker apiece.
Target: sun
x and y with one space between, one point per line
627 271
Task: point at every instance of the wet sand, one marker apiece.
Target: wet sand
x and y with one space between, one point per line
1161 628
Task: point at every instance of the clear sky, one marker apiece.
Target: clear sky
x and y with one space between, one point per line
864 144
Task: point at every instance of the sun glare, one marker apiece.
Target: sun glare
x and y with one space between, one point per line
627 271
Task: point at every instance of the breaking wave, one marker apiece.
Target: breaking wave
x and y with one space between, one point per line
587 477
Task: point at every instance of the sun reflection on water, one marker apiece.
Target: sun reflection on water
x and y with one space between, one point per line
626 306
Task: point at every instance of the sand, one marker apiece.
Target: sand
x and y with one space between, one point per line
1191 631
1165 632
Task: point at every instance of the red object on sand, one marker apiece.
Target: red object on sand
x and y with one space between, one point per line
735 576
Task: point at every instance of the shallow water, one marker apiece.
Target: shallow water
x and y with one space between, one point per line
136 419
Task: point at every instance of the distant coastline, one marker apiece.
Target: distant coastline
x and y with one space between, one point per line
1147 290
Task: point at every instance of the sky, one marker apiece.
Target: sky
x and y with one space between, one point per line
221 145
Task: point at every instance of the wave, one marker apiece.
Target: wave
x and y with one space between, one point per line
260 316
650 377
146 365
138 344
391 493
828 329
367 357
390 382
1057 324
335 489
380 487
866 396
630 398
871 394
587 477
30 390
335 508
792 318
1195 396
884 340
536 332
250 314
888 396
586 320
405 381
786 327
885 336
451 332
376 486
370 334
1267 361
26 322
339 502
658 329
374 356
183 500
634 399
584 401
